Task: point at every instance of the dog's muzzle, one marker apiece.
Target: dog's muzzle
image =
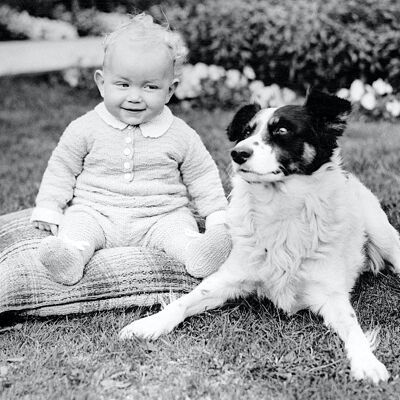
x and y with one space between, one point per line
240 154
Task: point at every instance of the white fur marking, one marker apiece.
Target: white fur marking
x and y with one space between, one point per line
314 229
308 153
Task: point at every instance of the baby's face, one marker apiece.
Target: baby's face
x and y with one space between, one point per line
137 81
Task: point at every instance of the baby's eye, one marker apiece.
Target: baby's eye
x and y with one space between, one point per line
151 87
122 84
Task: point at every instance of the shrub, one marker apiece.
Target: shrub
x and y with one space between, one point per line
21 25
325 43
46 8
91 22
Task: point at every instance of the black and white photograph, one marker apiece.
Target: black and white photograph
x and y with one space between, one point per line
199 200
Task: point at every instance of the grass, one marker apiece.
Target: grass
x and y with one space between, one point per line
245 350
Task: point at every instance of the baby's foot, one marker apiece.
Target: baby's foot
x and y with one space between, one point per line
206 253
62 259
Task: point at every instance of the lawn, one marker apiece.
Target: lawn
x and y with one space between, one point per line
245 350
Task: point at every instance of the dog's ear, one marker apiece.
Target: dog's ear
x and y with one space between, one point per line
240 120
331 111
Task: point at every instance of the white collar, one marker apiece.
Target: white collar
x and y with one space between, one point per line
154 128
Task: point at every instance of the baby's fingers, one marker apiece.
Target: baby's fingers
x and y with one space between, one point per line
43 226
54 229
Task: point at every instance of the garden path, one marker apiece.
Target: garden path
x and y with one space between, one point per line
28 56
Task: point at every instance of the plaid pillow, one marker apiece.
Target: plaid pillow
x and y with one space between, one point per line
114 278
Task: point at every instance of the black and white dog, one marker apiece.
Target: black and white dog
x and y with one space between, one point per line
302 227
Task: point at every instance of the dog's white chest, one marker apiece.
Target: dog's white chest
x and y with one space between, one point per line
280 231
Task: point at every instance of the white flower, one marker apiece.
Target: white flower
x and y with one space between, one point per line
188 89
233 78
381 87
215 72
71 76
343 93
243 81
256 86
200 70
288 96
263 96
368 101
37 28
277 98
249 73
357 90
393 108
369 89
189 86
271 96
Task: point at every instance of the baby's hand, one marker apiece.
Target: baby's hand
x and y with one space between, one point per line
46 226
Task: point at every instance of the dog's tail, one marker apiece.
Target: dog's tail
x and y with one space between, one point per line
383 241
374 257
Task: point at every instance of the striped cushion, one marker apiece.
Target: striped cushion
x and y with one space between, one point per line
114 278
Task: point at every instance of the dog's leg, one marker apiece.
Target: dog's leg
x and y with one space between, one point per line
339 315
209 294
383 237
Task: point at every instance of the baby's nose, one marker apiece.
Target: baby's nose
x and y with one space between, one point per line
134 95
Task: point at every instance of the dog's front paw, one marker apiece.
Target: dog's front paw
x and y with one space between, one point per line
369 368
149 328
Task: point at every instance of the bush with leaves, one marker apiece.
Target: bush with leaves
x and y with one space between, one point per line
16 25
325 43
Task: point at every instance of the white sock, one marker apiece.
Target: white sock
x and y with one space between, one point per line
63 260
206 253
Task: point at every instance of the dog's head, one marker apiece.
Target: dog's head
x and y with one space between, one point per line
273 143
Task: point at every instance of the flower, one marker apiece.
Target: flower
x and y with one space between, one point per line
393 108
343 93
190 82
249 73
288 96
71 76
357 90
262 96
368 101
271 96
21 23
201 70
215 73
233 78
255 86
381 87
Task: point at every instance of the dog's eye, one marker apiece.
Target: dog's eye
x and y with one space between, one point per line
247 131
281 131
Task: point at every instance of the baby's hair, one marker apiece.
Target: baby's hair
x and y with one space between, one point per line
143 28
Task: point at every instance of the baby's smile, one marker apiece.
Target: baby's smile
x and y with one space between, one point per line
133 110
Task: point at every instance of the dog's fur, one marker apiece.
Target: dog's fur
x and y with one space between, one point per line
302 227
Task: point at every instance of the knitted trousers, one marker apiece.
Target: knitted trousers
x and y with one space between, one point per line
171 232
84 230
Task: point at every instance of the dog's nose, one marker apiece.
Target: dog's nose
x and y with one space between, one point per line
241 154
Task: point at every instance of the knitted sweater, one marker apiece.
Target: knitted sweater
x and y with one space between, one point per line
110 169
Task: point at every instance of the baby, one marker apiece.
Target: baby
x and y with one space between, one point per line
123 174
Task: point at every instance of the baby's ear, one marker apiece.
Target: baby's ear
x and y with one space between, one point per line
328 110
99 79
242 117
171 89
